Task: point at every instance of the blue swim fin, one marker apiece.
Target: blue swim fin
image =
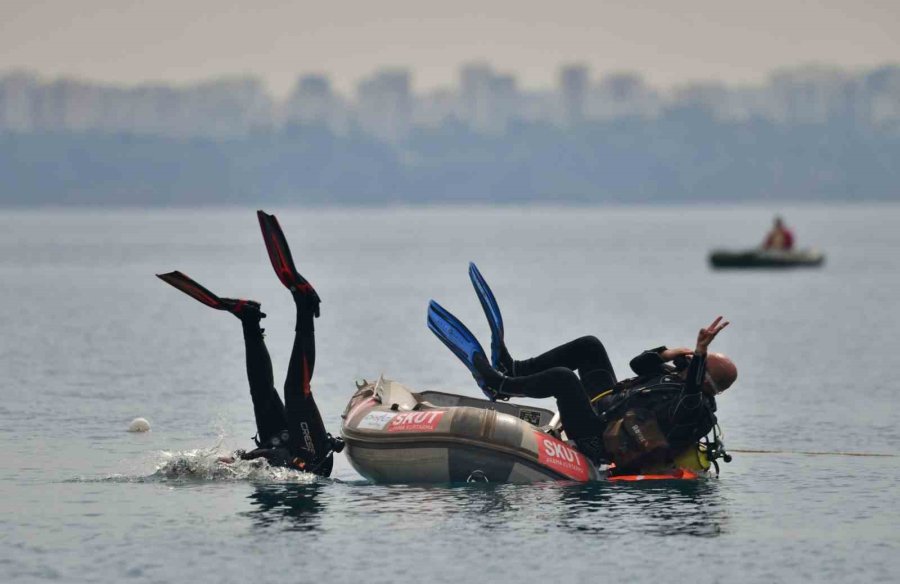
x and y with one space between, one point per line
458 339
492 312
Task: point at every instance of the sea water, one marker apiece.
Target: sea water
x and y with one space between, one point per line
91 340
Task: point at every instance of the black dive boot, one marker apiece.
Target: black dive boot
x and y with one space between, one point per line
247 311
592 447
494 380
506 364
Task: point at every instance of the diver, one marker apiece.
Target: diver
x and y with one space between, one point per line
780 237
647 420
291 433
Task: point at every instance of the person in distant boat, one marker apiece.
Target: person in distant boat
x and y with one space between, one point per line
779 238
291 433
645 420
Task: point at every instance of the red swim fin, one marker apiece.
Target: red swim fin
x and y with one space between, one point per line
201 294
281 258
184 283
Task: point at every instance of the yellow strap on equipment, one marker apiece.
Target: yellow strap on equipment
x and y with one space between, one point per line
602 395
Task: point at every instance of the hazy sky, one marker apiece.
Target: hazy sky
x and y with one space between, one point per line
130 41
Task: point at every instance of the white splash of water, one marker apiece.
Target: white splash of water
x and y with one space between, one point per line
207 464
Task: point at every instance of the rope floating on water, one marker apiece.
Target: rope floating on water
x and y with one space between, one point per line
813 453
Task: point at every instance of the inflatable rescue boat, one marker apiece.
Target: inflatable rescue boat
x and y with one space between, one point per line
761 258
394 435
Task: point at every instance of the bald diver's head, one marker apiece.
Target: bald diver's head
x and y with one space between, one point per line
721 373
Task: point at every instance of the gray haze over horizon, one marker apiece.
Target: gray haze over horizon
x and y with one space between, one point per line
130 42
133 103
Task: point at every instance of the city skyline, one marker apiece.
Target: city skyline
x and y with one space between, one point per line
385 105
133 43
350 88
809 133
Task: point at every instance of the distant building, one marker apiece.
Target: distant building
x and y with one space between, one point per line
17 94
488 99
384 104
67 104
315 102
810 95
436 108
226 107
881 95
712 98
623 95
220 108
538 106
573 89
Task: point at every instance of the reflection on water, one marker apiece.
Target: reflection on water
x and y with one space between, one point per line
293 507
694 508
661 508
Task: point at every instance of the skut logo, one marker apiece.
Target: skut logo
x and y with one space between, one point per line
561 451
561 458
415 421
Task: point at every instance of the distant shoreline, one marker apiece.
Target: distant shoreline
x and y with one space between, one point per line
781 206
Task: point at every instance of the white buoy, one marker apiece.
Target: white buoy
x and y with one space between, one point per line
139 425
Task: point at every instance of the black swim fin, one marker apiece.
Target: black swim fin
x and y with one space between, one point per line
282 261
199 293
492 312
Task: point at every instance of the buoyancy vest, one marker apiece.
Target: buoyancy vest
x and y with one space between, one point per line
683 420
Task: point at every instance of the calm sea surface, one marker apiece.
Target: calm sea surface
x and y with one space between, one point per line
91 340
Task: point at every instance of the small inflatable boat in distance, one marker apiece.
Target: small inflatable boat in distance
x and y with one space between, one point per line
393 435
761 258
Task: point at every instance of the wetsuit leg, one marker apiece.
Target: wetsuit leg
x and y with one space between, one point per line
268 408
579 419
305 424
587 355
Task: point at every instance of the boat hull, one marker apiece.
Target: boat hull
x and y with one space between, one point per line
393 435
756 258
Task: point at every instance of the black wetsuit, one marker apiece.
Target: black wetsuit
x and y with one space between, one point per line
684 413
291 433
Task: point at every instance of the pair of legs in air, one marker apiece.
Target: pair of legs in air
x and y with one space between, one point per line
297 427
573 373
289 433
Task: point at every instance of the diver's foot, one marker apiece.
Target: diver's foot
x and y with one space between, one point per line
491 380
592 447
248 311
307 301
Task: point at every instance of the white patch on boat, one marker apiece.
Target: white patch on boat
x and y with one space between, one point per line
376 420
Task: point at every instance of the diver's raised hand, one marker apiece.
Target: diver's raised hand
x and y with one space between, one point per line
706 335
